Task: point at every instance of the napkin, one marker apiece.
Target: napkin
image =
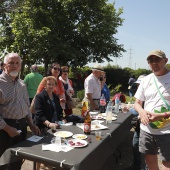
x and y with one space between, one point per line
93 126
67 124
52 147
34 138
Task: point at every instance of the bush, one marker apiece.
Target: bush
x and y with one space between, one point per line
80 94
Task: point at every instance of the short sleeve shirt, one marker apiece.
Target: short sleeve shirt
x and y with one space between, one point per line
148 92
92 85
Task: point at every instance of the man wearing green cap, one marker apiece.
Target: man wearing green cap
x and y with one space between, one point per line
155 121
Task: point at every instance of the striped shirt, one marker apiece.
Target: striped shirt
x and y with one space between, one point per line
14 100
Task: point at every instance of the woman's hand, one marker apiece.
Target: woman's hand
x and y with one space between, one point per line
62 100
64 121
52 125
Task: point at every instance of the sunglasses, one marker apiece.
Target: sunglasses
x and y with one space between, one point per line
65 71
154 60
55 68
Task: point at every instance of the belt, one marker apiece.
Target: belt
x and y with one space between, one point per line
95 99
15 120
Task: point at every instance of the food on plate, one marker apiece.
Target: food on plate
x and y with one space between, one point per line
81 137
63 134
75 143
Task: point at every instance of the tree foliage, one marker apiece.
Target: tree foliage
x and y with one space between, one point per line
72 32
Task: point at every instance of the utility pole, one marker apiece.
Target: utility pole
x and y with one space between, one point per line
130 57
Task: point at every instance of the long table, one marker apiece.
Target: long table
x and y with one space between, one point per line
90 157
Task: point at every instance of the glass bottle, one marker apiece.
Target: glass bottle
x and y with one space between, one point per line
102 104
109 113
87 123
116 110
84 109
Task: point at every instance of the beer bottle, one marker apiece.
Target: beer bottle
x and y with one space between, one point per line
87 123
84 109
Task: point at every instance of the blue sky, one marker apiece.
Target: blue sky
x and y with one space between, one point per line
146 28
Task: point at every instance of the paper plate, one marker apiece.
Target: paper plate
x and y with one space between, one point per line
79 136
97 117
104 114
94 113
77 143
113 118
63 134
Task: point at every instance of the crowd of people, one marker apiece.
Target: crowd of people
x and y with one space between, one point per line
50 95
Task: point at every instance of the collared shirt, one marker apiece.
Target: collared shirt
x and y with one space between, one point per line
92 85
14 100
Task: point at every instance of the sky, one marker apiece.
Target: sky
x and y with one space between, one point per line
146 27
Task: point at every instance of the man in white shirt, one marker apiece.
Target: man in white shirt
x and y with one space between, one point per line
154 89
92 86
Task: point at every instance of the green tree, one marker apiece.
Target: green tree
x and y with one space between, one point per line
73 32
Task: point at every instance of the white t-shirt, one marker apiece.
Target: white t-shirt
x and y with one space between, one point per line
92 85
148 92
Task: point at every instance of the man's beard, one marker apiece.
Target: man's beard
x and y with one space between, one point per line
13 73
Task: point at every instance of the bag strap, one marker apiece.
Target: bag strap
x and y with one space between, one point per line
167 105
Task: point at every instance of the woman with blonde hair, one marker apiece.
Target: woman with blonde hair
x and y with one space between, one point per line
47 105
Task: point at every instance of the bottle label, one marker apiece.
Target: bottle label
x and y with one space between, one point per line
87 127
102 102
84 113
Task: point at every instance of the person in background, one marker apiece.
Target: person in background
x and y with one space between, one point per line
54 70
132 86
14 108
154 91
1 66
69 92
121 97
105 90
32 81
92 86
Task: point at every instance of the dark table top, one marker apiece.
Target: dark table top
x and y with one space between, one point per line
91 156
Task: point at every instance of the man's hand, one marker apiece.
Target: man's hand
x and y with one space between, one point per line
12 132
155 116
144 117
35 129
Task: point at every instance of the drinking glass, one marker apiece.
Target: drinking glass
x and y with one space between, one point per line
58 142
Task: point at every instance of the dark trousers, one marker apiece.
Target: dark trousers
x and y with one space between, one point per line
75 119
6 141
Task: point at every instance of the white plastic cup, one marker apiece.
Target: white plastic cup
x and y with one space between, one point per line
58 142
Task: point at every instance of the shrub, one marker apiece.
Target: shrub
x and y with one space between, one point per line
80 94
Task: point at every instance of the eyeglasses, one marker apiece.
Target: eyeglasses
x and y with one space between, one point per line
154 60
55 68
65 71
